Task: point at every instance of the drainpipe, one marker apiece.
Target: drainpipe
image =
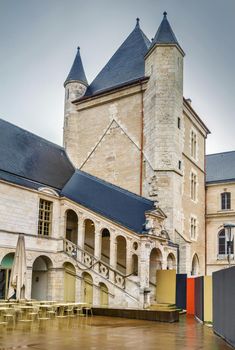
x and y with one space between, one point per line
141 138
205 208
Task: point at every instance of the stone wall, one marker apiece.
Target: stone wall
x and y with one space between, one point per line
215 219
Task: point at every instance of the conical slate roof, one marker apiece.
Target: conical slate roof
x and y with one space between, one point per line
77 71
126 65
165 34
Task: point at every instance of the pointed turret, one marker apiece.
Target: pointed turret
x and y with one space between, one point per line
75 87
165 35
77 71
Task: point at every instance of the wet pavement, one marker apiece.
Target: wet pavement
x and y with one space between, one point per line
110 333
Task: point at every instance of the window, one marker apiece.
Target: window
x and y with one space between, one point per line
225 200
179 165
179 123
223 243
44 217
193 228
193 186
193 145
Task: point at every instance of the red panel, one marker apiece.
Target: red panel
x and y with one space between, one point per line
190 296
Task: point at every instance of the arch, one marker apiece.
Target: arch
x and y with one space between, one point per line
224 242
5 272
121 254
89 236
135 267
171 262
69 282
7 261
105 245
155 263
104 295
71 230
195 265
87 288
41 278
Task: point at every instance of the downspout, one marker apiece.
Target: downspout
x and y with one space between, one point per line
205 208
141 139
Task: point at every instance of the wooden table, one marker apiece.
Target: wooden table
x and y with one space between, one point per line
44 308
25 309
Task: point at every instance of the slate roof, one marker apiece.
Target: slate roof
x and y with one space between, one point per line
31 161
126 65
113 202
26 156
165 34
77 71
220 167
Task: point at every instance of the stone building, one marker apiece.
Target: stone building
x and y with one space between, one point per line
124 197
220 210
132 127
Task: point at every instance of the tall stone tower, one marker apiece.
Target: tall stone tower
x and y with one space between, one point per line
75 87
163 111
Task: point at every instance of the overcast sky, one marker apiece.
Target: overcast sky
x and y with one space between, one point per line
39 38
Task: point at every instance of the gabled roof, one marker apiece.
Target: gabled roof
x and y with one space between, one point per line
220 167
126 65
110 201
77 71
25 156
165 34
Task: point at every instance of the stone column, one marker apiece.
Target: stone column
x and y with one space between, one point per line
129 268
78 290
81 237
28 287
98 237
113 256
113 251
81 232
144 273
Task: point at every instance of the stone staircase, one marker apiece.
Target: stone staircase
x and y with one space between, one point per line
89 263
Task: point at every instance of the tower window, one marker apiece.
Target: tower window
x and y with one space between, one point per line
180 164
193 186
44 217
179 123
193 228
225 200
193 145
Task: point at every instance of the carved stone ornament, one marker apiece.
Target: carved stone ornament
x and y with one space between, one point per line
153 189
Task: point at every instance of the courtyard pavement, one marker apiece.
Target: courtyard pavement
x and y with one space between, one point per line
110 333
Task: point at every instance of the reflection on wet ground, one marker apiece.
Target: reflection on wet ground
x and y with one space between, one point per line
109 333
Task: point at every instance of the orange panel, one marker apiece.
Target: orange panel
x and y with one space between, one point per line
190 296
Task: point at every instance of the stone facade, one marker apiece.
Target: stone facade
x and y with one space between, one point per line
19 214
216 217
139 138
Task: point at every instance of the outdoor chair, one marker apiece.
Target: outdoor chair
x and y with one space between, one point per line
88 309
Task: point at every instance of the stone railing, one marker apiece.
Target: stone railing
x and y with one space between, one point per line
93 263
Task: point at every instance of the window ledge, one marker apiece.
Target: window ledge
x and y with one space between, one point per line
224 257
224 210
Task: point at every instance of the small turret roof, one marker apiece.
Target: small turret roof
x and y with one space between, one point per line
165 34
77 71
126 65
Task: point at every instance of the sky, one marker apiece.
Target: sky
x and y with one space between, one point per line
39 39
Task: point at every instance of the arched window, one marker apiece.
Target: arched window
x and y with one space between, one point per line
225 200
223 243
